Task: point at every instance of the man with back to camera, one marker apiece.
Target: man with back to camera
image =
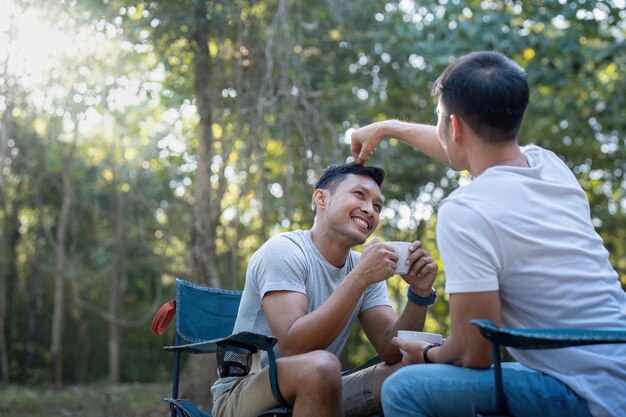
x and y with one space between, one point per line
518 248
307 288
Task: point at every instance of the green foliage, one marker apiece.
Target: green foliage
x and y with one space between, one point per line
289 80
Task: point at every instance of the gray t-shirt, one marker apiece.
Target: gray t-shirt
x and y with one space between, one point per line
291 262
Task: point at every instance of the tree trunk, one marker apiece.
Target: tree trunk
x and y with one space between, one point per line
203 230
33 286
4 356
58 312
114 286
200 369
6 132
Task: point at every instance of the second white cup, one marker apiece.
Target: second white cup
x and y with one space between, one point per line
423 336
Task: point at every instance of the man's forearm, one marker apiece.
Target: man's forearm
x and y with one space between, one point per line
466 346
420 136
413 317
317 329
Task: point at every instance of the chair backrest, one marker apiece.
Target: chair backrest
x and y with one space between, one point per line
204 313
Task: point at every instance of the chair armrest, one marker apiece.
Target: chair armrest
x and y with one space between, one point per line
372 361
246 339
243 339
546 338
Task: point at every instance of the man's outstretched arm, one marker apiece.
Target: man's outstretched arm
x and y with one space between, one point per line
421 137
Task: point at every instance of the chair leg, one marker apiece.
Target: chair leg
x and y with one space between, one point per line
274 379
501 406
175 378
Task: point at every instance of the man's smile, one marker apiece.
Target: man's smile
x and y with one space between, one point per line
364 224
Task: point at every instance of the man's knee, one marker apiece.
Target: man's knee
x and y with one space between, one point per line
318 370
322 367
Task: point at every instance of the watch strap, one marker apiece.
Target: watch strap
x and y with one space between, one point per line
426 349
421 301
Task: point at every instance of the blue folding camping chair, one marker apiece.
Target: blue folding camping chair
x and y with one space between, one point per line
536 339
205 318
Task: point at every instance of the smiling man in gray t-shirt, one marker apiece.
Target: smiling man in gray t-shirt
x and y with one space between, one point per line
308 287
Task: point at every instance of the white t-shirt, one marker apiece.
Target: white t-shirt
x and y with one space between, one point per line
527 232
291 262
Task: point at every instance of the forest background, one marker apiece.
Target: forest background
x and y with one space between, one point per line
142 141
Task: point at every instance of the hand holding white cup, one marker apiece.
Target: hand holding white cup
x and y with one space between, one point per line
402 250
431 338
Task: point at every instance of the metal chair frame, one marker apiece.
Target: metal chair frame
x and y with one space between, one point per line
536 339
205 318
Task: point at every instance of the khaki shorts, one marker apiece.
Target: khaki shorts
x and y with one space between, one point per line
252 394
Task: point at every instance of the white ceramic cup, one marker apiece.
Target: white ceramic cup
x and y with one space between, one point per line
423 336
402 249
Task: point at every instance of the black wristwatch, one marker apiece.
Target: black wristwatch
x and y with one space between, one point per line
421 301
426 349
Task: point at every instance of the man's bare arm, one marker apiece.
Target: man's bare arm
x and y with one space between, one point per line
381 324
421 137
465 346
299 331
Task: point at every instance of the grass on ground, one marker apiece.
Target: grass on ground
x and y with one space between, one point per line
99 400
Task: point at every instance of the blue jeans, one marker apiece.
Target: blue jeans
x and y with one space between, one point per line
446 390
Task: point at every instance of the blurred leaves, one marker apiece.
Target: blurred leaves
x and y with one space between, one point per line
290 80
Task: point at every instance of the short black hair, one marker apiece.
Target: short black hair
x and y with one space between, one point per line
334 173
488 91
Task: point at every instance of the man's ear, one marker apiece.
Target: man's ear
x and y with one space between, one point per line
457 127
319 198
